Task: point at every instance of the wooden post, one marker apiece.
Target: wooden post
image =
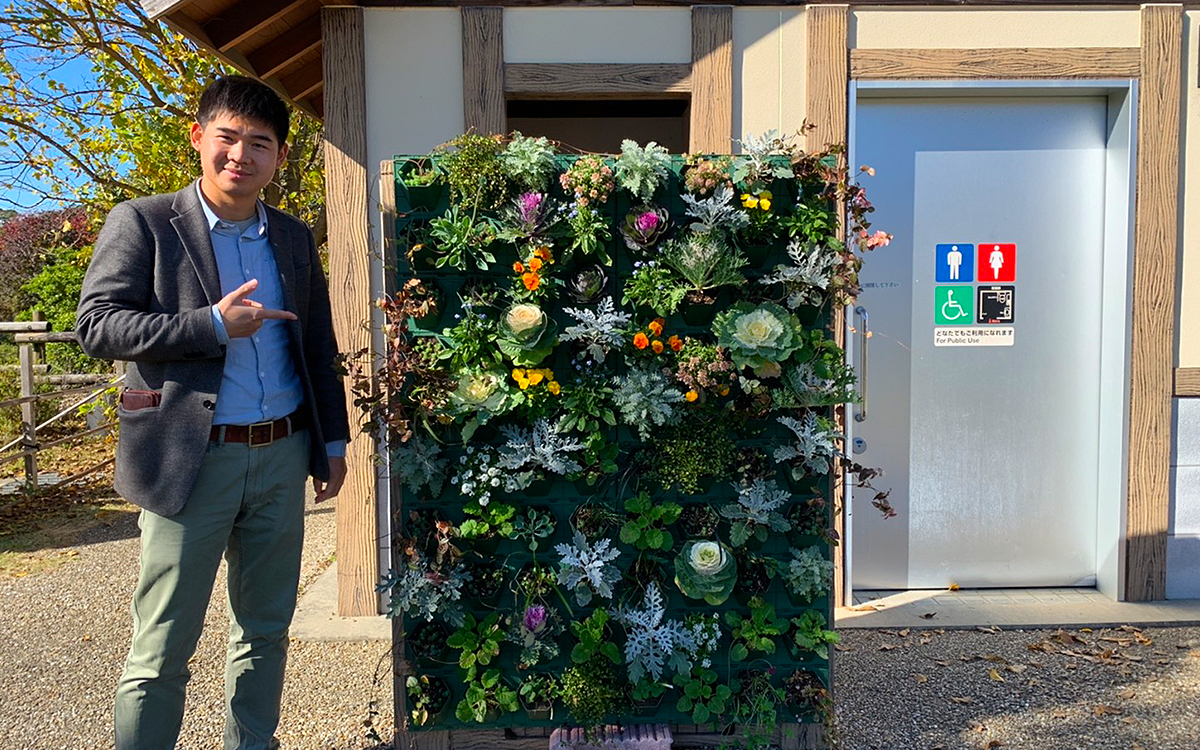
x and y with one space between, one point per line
711 126
350 290
483 70
28 416
1156 248
39 350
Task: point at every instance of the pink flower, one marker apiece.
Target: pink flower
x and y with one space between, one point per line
879 239
535 618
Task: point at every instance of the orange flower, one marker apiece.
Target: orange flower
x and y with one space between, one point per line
640 340
675 343
657 346
655 327
535 263
659 321
543 252
725 391
691 396
519 267
553 387
531 281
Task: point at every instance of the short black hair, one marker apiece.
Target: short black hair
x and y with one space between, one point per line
244 97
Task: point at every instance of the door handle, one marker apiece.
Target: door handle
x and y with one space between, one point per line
864 335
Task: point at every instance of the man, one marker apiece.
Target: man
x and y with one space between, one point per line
221 307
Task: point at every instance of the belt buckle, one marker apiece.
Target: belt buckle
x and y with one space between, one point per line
270 434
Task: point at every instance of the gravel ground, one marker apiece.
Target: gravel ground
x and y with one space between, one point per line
66 630
66 633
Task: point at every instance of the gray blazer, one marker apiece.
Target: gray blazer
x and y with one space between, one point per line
147 300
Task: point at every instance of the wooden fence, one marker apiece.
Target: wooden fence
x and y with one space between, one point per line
31 338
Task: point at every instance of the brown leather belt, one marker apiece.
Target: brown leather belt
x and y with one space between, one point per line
259 433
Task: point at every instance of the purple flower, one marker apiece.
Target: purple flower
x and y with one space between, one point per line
530 204
647 221
535 618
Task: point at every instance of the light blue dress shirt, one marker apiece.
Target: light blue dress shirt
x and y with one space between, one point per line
259 383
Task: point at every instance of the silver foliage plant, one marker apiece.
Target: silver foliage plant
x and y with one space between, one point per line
599 330
653 643
809 276
705 261
756 510
419 464
528 161
808 573
646 400
816 443
802 387
588 569
540 448
641 169
716 213
424 593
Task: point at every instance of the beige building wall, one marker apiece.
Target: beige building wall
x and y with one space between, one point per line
1187 331
768 70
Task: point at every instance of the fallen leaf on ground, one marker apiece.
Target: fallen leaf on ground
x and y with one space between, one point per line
865 608
921 679
941 662
952 587
842 647
962 700
1017 668
988 629
1126 694
904 633
888 647
1066 638
1103 710
1085 630
928 615
1128 720
995 675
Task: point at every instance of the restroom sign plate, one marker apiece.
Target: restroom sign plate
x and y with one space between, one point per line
995 305
997 262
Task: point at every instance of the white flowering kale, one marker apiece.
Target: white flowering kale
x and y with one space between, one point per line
808 574
588 569
716 213
541 448
809 276
646 400
419 464
815 447
640 170
599 330
422 592
652 643
756 510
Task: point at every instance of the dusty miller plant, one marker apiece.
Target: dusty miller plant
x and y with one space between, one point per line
528 161
588 569
802 387
640 170
810 274
419 464
808 573
653 643
815 447
423 592
704 261
716 213
599 330
756 510
646 400
764 158
540 448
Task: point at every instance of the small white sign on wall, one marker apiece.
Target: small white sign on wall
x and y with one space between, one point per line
974 336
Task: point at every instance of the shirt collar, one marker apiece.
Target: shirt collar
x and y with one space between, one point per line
212 219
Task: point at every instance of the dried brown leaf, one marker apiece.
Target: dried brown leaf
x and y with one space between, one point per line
995 675
962 700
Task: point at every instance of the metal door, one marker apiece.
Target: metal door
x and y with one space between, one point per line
991 449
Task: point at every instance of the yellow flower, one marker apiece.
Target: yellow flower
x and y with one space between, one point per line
766 194
523 383
657 346
518 373
764 204
553 387
535 376
725 391
749 201
691 396
547 373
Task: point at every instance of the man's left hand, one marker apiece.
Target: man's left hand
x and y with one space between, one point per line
337 475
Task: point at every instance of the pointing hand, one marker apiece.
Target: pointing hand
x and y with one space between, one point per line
243 316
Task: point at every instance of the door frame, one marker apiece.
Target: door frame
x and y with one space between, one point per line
1116 294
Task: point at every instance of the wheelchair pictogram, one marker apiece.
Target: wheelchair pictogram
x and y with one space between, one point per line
954 306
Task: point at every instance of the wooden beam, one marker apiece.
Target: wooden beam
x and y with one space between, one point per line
711 127
304 82
1187 382
1067 62
156 8
1156 248
534 80
350 251
771 3
244 20
483 70
828 71
275 56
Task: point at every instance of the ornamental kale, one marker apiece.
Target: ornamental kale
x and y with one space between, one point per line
704 261
599 330
756 511
706 570
646 400
653 643
527 334
535 630
588 568
761 337
643 227
641 170
815 448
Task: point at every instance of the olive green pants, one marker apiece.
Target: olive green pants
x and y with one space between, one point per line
248 504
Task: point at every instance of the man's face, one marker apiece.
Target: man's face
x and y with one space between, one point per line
239 156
